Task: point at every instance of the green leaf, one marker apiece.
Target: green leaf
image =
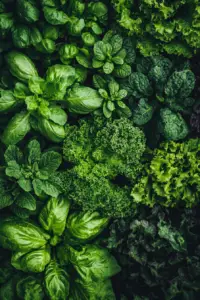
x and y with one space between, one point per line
108 68
107 113
13 153
34 261
118 60
7 291
6 198
143 113
36 85
50 161
49 188
174 237
30 288
122 71
83 100
96 64
99 51
26 200
54 214
21 91
54 16
116 42
7 101
110 106
113 88
37 186
21 235
58 115
25 184
16 129
34 152
85 226
103 93
93 263
83 60
56 281
21 66
13 169
93 290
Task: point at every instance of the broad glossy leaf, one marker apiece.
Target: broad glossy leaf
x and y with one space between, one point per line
56 281
83 100
85 226
54 214
7 101
16 129
21 235
34 261
93 263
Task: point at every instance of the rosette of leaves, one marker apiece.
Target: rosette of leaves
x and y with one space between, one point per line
112 57
158 251
38 99
113 97
170 176
160 90
29 175
57 247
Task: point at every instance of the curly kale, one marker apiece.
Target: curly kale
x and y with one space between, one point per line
104 154
171 176
158 251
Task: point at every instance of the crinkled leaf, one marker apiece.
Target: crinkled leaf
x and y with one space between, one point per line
56 281
54 214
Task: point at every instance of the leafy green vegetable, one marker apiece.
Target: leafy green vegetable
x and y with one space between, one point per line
34 171
100 151
170 177
112 97
158 253
38 251
110 56
159 27
83 100
21 66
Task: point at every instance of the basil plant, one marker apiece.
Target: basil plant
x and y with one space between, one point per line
60 247
37 101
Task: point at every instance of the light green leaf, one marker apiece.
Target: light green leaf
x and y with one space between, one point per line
108 68
16 129
107 113
34 261
93 263
85 226
56 281
54 214
21 235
